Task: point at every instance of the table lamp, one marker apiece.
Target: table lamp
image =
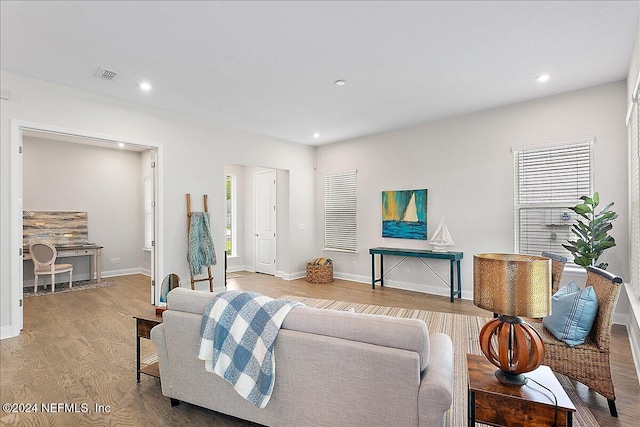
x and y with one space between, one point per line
512 285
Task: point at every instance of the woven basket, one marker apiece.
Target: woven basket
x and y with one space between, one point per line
319 273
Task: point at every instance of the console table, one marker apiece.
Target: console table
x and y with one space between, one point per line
94 251
453 257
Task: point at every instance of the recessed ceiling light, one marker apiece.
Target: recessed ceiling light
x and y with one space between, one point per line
121 144
146 86
541 78
316 135
340 82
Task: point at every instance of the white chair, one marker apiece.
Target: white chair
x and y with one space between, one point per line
43 255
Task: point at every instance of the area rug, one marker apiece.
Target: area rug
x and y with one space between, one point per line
80 285
464 331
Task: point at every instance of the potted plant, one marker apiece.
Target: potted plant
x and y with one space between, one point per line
592 232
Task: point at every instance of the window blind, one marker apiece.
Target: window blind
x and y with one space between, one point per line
148 212
634 197
340 231
549 181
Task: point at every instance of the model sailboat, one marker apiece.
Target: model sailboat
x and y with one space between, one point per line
441 238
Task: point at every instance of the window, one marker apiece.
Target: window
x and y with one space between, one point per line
548 181
231 246
340 212
148 212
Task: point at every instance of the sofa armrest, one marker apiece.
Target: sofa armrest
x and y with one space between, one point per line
160 341
435 393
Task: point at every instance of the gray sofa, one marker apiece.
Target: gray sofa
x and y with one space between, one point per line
333 368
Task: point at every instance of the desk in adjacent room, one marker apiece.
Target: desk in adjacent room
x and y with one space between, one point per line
453 257
94 251
67 231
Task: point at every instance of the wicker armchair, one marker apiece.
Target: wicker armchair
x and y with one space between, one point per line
588 363
557 267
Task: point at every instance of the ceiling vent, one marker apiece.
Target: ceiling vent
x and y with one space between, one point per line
103 73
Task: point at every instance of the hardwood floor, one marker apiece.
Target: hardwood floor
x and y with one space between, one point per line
79 347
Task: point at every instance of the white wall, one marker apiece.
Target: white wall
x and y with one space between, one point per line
193 154
63 176
466 163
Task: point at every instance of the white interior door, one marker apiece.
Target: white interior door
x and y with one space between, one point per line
265 204
154 222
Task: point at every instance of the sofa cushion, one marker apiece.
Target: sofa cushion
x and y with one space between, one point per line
406 334
573 311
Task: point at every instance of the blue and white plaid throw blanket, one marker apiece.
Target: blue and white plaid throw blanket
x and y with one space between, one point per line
237 336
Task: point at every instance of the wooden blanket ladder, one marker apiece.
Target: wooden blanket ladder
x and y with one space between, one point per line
206 209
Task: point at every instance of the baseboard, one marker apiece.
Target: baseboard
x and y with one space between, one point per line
295 275
443 290
124 272
236 268
280 274
405 286
351 277
5 332
61 278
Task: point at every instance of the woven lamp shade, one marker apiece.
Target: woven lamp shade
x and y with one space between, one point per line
511 284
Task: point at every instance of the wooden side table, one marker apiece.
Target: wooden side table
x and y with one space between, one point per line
144 324
499 404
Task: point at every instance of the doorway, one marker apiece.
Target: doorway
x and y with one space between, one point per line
19 131
244 254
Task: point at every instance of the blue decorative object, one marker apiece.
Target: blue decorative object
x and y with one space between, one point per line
453 257
573 311
201 251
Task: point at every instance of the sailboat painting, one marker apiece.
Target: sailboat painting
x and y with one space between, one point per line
404 214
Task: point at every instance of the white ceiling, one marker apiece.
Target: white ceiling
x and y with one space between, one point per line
270 67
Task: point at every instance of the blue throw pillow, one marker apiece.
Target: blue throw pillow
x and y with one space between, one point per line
573 311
